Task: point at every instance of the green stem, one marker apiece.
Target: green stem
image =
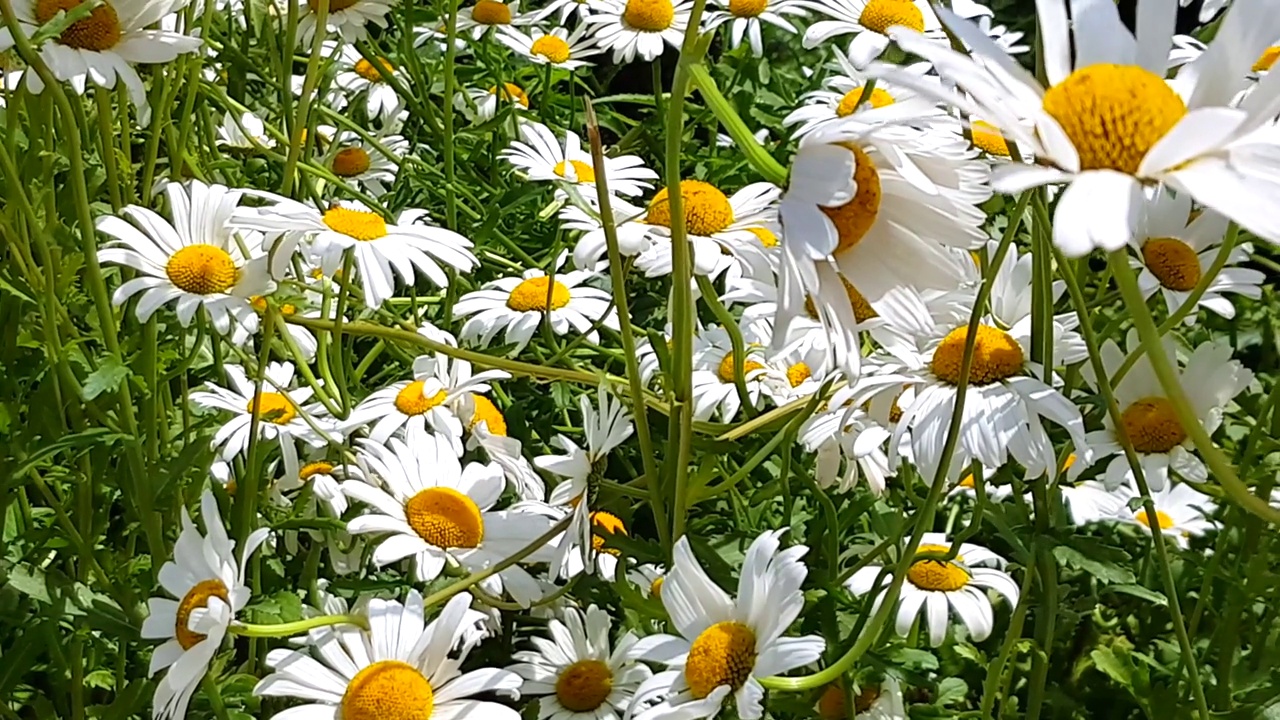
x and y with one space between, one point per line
297 627
755 153
440 596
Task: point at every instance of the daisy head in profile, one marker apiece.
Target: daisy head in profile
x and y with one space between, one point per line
543 157
638 28
1181 512
207 584
725 644
873 701
746 18
849 445
842 96
728 232
244 132
369 75
556 47
869 22
350 19
484 103
484 15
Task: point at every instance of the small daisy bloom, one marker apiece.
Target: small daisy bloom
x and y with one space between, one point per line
967 487
208 581
845 435
725 141
1181 512
430 401
245 132
558 48
357 74
638 28
579 674
1210 379
715 390
428 507
869 22
747 17
485 100
350 19
1090 502
724 644
882 701
649 579
401 667
936 588
636 238
1177 247
322 476
365 164
841 97
486 14
1110 126
518 305
542 157
735 226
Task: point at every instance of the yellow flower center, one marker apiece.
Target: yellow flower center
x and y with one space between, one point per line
765 236
100 31
1173 262
551 47
259 304
584 685
512 92
724 654
1163 521
880 15
313 469
706 210
862 310
854 219
372 72
584 172
996 356
649 15
879 98
350 162
1152 425
445 518
798 373
967 481
1114 114
485 411
197 597
937 575
273 407
609 524
725 371
334 5
655 587
388 690
491 12
1071 460
988 138
531 295
412 399
358 224
747 8
1267 59
202 270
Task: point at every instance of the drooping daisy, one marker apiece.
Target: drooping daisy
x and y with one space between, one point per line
715 389
428 507
542 157
358 74
486 14
842 96
104 46
401 667
579 674
878 701
517 306
1177 248
936 588
486 100
1210 379
197 260
966 487
648 578
725 645
869 22
322 476
430 400
746 17
1181 512
244 132
1090 502
350 19
558 48
638 28
365 164
733 223
1109 124
208 581
381 250
844 435
508 453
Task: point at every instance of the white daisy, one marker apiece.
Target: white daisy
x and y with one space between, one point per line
357 74
869 22
715 390
208 581
648 578
638 28
543 158
323 477
486 14
244 132
579 674
937 588
197 260
880 701
350 19
362 163
518 305
508 453
1090 502
558 48
1011 306
725 141
485 100
735 224
844 435
747 17
636 238
725 645
841 96
1109 124
401 667
1181 512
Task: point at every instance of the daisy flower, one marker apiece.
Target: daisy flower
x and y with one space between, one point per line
638 28
936 588
1090 502
725 141
350 19
1180 512
381 250
1109 125
208 581
648 578
518 305
1177 247
363 163
543 158
430 401
715 390
401 667
747 17
966 487
1011 306
881 701
358 74
508 453
636 238
104 46
579 674
841 96
486 100
1210 378
485 14
735 224
245 132
869 22
565 9
322 476
428 507
725 645
558 48
197 260
848 444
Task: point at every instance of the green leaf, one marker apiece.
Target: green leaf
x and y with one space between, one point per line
1139 591
1118 667
913 658
1105 571
951 690
107 378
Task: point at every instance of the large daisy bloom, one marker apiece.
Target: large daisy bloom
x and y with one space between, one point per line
1181 512
747 17
401 667
1110 126
104 46
936 588
638 28
350 19
579 673
197 261
1210 379
724 644
427 506
726 231
542 157
517 306
558 47
841 97
869 22
208 581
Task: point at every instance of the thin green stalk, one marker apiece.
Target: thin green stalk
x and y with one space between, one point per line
107 146
738 347
440 596
301 119
754 153
297 627
450 88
